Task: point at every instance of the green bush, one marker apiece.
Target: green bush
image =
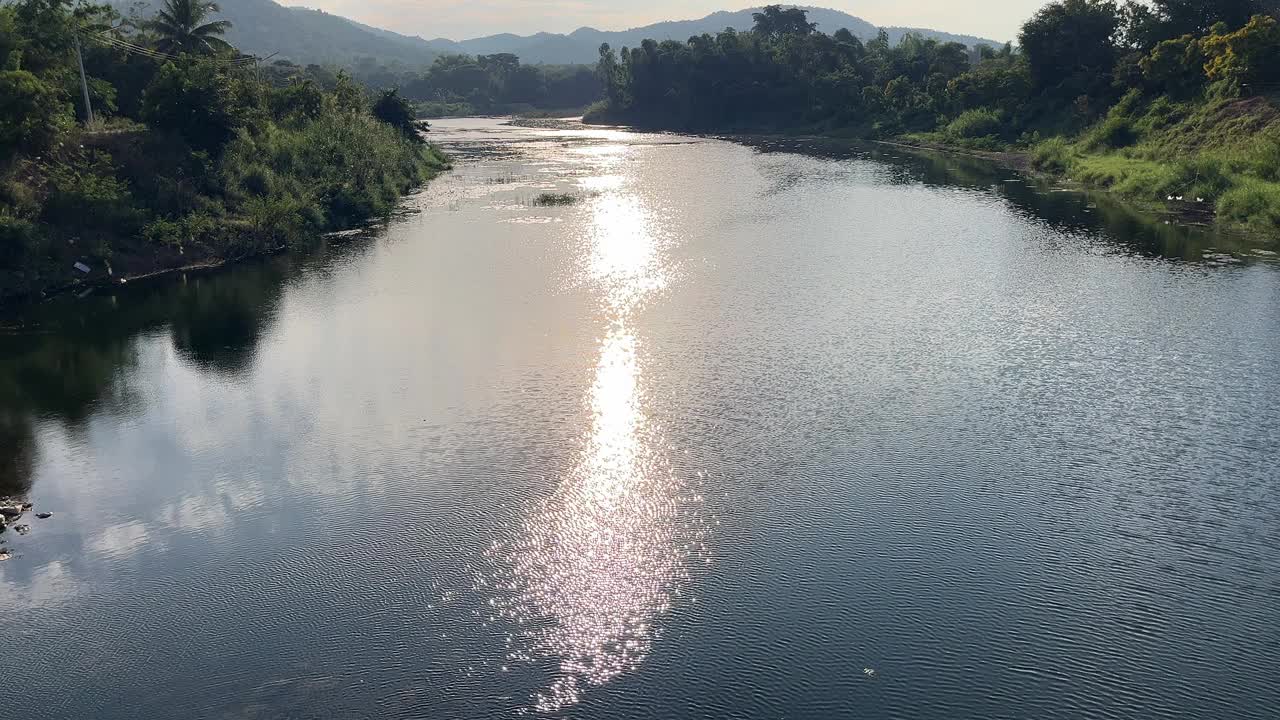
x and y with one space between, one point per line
342 169
1115 131
979 123
1161 113
1264 155
196 228
1253 202
1053 155
195 99
1205 176
299 101
32 113
87 201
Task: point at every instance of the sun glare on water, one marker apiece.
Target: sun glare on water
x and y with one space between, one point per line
601 560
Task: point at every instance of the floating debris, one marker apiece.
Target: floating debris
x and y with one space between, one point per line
82 268
5 554
44 515
869 672
22 529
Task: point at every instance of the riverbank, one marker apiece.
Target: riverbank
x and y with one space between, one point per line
204 243
180 161
134 202
1215 162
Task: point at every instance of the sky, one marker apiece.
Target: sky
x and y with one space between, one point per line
463 19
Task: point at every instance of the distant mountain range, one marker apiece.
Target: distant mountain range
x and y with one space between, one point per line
263 27
583 45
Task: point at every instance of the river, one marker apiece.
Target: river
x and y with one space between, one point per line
770 429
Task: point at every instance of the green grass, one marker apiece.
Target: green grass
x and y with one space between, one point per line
1222 153
1252 202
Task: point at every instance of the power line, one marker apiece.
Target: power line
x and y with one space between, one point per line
129 47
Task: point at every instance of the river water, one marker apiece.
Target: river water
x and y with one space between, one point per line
779 429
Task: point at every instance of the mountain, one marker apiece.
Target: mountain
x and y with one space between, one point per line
263 27
583 44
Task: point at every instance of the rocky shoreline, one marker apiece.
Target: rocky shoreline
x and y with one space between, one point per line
12 510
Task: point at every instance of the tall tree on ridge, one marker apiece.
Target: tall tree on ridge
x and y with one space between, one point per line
182 27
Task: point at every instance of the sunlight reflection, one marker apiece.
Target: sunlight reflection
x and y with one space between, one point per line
625 256
601 560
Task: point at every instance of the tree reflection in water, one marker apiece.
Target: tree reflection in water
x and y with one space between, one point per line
73 362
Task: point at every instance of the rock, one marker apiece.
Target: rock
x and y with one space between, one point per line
5 554
11 511
22 529
27 506
44 515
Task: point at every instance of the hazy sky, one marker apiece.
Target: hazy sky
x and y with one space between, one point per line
461 19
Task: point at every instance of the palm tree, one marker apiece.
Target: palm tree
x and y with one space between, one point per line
182 27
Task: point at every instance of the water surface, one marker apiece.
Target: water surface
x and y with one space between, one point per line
744 422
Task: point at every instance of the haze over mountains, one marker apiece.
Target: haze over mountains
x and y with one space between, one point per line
583 45
263 27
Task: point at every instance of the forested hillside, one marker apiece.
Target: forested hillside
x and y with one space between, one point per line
187 153
1170 102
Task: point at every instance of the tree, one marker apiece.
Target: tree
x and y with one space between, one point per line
32 114
1069 47
395 111
1141 28
774 22
299 100
1175 67
347 96
1246 56
182 28
195 100
608 72
1196 17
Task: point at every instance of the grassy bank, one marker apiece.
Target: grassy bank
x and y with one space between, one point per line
1222 155
132 201
1217 158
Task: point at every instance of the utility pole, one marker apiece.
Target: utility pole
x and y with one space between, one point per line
84 83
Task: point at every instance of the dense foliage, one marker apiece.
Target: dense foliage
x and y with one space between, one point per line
1149 83
196 154
462 84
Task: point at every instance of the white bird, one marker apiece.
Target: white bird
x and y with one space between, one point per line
1179 198
1170 198
1199 199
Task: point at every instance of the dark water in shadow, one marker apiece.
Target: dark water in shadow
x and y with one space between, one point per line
742 424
